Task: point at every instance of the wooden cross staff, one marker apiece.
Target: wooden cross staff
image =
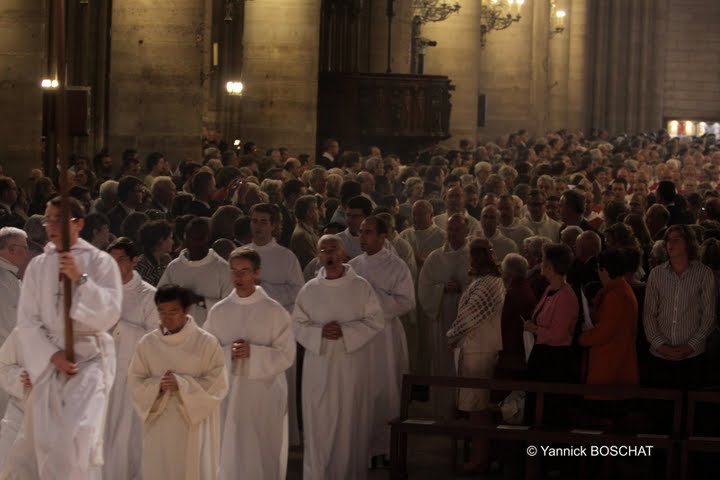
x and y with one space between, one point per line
61 136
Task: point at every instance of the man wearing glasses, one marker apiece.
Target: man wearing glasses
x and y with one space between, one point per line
65 415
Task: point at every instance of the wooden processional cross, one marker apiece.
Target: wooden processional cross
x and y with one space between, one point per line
61 137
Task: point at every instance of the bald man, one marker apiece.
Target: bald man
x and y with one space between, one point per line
455 201
337 388
489 220
424 236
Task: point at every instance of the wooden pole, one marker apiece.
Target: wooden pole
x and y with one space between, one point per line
62 153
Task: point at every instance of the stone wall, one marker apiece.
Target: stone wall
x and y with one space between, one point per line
157 72
23 64
280 74
692 60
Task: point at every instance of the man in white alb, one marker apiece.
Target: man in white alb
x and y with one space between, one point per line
256 335
123 430
442 280
393 284
62 436
336 315
281 279
358 208
200 270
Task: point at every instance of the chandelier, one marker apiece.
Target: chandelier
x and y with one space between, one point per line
498 15
433 10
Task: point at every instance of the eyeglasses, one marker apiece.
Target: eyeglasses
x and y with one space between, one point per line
19 245
54 222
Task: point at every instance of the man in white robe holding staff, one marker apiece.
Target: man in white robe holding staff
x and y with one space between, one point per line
62 437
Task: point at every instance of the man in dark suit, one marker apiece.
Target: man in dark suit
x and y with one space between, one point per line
130 196
203 187
666 195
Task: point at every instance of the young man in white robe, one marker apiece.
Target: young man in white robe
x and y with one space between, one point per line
392 281
358 208
62 435
336 315
281 278
200 270
178 378
442 280
123 430
256 335
15 381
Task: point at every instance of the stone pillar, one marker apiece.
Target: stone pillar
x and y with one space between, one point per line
280 74
23 56
456 56
157 72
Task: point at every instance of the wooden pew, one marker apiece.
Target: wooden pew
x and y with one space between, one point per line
538 433
697 443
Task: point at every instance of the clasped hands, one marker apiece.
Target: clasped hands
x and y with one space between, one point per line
332 331
240 349
680 352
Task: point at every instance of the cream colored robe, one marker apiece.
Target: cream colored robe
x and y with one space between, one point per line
181 430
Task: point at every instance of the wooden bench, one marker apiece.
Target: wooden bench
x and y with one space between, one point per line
536 434
692 442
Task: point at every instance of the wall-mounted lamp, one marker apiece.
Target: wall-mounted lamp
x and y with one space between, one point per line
234 88
49 84
559 22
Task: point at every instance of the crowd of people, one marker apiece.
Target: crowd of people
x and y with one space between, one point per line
230 308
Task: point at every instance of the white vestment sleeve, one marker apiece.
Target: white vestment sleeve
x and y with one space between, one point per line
357 333
144 387
10 370
401 299
307 332
270 361
430 289
201 396
32 332
286 293
98 302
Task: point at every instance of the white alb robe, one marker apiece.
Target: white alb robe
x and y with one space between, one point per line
9 295
208 277
62 436
11 366
502 245
254 415
336 388
424 241
282 278
181 430
474 228
517 232
546 227
123 430
351 243
389 360
440 309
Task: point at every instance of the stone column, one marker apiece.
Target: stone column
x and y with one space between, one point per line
280 74
157 72
456 55
23 56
